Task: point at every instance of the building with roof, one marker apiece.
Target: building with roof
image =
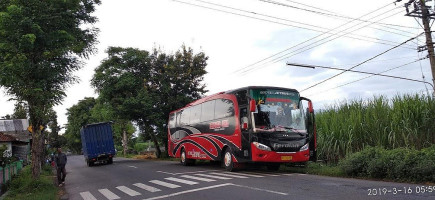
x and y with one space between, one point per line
14 134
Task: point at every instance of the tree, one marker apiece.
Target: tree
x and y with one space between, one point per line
144 87
78 116
40 46
88 111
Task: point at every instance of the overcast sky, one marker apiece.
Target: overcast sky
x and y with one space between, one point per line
233 43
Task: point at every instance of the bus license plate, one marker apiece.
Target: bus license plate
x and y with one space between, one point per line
286 157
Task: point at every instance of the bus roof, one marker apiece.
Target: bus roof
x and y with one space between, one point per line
234 91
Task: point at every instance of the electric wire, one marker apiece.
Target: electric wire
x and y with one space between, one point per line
386 25
243 69
332 14
302 49
359 37
306 24
363 62
348 83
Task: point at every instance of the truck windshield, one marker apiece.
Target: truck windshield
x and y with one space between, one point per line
278 110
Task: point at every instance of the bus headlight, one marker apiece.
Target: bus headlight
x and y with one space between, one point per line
303 148
262 146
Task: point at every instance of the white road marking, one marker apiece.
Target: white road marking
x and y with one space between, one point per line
230 175
166 172
259 189
263 173
216 177
108 194
132 166
182 181
146 187
245 174
189 191
187 172
169 185
87 196
128 191
198 178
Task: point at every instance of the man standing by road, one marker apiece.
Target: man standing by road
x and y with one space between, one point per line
60 160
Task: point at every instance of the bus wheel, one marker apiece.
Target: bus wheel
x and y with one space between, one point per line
185 161
228 160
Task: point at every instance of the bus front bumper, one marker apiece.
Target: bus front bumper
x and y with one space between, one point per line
259 155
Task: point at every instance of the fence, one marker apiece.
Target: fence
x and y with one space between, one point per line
10 170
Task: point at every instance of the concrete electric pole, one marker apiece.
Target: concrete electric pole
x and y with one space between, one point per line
418 8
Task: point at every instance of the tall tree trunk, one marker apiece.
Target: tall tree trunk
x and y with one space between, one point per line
165 141
124 141
36 114
156 144
36 153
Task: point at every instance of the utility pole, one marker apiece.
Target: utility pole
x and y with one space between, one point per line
418 8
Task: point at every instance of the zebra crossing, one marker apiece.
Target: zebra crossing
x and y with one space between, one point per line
154 186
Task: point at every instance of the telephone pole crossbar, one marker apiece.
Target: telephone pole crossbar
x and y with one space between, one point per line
419 9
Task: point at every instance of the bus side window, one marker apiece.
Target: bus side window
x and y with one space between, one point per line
172 120
195 114
207 112
185 116
223 108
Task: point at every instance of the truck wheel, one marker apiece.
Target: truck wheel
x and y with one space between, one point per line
228 160
89 163
110 161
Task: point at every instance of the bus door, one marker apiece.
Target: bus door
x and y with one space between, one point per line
311 128
244 122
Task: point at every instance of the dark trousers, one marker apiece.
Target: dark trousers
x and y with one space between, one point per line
61 174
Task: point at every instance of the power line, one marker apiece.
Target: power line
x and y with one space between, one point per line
356 71
346 18
386 25
348 83
273 55
383 60
332 14
359 64
383 41
301 50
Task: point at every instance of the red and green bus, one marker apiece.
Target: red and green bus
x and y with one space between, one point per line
253 124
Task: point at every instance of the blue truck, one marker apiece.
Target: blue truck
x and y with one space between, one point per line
97 143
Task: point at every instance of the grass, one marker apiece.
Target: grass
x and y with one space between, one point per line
403 121
315 168
23 187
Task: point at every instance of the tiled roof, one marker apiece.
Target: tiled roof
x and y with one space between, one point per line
7 138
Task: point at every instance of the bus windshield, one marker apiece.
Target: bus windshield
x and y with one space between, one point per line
278 110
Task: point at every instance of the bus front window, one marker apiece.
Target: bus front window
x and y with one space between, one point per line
278 110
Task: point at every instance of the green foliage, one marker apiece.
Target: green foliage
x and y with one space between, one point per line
24 187
88 111
397 164
145 86
140 147
41 43
403 121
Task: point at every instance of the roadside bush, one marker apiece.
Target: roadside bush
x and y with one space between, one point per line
24 187
140 147
398 164
358 164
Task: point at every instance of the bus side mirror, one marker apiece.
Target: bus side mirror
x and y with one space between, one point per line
252 105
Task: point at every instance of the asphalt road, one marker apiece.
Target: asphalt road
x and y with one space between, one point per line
138 179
